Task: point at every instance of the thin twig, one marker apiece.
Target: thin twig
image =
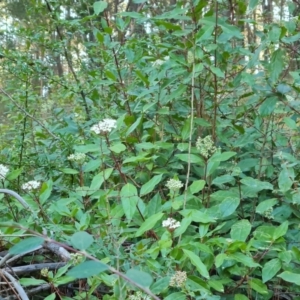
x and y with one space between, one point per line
27 114
16 285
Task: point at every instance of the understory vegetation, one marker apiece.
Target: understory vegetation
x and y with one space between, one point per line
154 150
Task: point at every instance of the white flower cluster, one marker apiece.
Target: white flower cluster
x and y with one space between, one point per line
206 146
159 62
139 296
105 126
77 157
178 279
31 185
171 223
174 184
3 171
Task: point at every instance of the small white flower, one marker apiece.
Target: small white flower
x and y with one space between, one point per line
178 279
31 185
78 157
171 223
206 146
159 62
107 125
174 184
3 171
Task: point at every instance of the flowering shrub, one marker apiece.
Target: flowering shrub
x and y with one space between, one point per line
194 195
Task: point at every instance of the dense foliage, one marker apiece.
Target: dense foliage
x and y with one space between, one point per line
160 145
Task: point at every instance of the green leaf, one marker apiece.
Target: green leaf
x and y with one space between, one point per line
69 171
132 14
276 64
196 186
142 278
184 224
31 281
251 6
118 148
27 245
149 223
258 286
240 230
281 230
270 269
87 148
219 260
290 277
185 132
99 179
228 206
222 156
217 71
136 159
216 285
129 199
256 185
195 159
134 126
286 179
196 261
99 6
265 205
150 185
160 285
240 297
290 123
244 259
14 174
51 297
87 269
81 240
223 179
268 106
176 296
198 216
46 191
